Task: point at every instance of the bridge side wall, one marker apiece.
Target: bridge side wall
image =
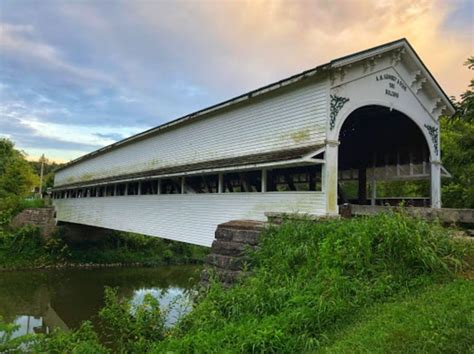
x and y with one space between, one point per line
294 117
191 218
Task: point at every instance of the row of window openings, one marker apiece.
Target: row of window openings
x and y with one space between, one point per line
307 178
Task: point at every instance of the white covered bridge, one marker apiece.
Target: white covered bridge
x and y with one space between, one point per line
285 147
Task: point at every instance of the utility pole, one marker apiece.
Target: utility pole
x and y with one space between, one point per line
41 177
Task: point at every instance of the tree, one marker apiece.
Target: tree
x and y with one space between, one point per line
48 173
465 108
457 150
17 178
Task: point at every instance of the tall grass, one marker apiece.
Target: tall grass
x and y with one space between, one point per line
311 279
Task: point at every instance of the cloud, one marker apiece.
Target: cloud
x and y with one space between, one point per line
112 136
21 42
79 75
251 43
36 137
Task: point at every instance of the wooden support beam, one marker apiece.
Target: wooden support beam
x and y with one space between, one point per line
436 184
330 177
264 180
373 187
220 183
362 185
398 163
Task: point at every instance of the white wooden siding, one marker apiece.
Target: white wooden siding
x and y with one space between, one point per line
190 218
294 118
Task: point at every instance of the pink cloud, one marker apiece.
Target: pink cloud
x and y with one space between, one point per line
252 43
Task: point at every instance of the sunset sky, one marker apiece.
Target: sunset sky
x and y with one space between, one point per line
75 76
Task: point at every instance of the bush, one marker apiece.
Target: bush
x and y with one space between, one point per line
25 247
83 340
7 342
132 328
126 247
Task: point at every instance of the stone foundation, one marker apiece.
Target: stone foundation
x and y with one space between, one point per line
228 261
44 218
444 215
278 218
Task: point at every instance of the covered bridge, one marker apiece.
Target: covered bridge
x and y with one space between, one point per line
372 115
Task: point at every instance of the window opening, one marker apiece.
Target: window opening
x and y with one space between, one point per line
202 184
243 182
299 179
171 186
110 190
149 187
132 188
121 189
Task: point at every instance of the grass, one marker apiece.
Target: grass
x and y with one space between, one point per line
31 203
387 283
437 319
312 280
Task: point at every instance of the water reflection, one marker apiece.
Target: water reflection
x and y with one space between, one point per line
42 300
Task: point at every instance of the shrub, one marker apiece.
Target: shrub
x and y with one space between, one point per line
7 342
25 247
132 328
83 340
129 247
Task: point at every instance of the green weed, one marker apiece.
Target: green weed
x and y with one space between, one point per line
129 328
313 278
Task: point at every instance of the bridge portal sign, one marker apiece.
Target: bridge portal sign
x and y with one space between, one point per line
394 83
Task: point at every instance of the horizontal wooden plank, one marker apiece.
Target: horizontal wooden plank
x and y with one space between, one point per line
191 218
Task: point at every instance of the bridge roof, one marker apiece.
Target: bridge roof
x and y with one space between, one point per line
296 156
320 69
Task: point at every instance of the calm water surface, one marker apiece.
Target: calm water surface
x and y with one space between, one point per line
39 301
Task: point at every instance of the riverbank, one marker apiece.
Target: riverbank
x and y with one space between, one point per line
316 287
26 248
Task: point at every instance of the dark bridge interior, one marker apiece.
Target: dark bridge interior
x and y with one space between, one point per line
377 136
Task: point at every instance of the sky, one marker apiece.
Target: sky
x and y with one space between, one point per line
78 75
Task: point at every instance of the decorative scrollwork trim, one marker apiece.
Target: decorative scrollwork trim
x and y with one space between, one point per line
433 131
337 103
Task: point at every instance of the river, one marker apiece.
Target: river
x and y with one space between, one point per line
39 301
